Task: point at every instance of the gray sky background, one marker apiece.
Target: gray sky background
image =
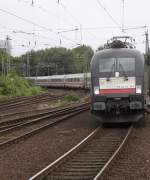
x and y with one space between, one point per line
97 26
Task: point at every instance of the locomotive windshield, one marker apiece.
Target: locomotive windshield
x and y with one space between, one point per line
122 65
126 64
107 65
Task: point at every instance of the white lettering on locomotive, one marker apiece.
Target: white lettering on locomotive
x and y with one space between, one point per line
117 83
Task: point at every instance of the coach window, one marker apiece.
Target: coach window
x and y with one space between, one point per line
107 65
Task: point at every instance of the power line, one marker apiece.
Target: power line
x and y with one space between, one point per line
69 30
101 5
33 34
48 11
100 27
26 20
73 17
69 13
136 27
66 10
30 22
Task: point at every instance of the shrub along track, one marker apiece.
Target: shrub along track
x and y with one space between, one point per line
89 158
10 133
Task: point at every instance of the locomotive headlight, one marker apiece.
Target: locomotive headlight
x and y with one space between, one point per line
96 90
138 89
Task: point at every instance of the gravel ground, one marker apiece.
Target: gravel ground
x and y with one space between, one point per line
133 162
22 160
25 129
41 106
36 105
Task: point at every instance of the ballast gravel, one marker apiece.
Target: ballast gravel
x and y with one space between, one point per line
21 161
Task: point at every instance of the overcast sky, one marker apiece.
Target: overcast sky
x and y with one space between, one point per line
89 23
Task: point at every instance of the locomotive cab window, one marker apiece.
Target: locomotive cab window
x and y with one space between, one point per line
107 65
126 65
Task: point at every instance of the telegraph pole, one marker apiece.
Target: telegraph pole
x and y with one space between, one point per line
28 61
81 37
147 42
122 15
8 51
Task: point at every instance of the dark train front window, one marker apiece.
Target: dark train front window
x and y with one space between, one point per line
107 65
126 64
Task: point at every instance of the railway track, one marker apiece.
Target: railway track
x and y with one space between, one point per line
25 101
90 158
37 116
10 115
21 98
11 133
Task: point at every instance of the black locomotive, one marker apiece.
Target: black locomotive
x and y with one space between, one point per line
118 91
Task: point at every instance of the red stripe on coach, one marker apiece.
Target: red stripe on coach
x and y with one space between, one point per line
115 91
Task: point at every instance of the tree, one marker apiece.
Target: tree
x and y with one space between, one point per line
83 55
56 60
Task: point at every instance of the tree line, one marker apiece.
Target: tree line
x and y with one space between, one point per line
57 60
52 61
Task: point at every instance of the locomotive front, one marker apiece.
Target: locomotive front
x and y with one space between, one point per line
117 83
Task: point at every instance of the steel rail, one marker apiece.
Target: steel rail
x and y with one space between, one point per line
28 102
113 157
68 166
37 130
14 113
45 171
22 98
34 111
50 113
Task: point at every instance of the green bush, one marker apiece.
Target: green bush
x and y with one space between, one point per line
14 85
72 96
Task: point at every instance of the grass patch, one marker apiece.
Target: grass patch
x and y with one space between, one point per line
71 97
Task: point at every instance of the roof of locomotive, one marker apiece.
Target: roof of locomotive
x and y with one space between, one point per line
118 52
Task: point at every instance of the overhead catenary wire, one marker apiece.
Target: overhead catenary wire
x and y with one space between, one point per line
107 12
80 24
31 22
48 11
33 34
74 19
26 20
